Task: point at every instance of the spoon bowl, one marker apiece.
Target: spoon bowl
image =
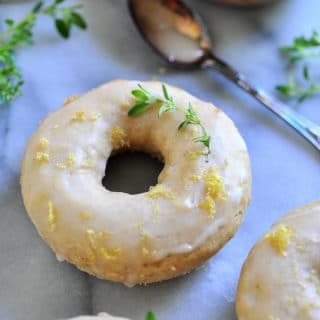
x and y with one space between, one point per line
180 36
175 32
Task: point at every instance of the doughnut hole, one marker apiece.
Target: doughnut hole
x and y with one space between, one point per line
132 172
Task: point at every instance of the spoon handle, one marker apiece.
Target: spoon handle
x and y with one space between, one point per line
305 127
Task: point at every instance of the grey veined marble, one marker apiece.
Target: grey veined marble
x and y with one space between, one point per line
286 171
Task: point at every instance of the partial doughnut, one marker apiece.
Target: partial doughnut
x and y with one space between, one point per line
280 279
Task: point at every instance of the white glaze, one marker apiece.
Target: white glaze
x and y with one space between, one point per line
274 286
180 226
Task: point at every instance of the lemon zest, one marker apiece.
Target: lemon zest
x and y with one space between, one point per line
42 157
280 239
160 191
119 137
52 217
208 205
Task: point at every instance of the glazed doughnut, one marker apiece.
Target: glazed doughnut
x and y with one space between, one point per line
280 279
100 316
195 208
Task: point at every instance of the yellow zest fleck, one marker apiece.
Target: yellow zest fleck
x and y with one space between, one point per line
214 190
280 239
145 237
195 178
79 116
214 184
139 226
87 163
312 276
160 191
44 143
194 154
42 157
273 318
111 254
119 137
70 99
71 159
52 217
94 237
144 251
144 243
61 165
95 116
85 216
155 213
91 236
208 205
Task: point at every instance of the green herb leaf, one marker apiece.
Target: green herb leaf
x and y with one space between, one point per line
78 20
9 22
150 316
138 109
302 48
20 33
37 7
63 28
294 90
306 72
144 100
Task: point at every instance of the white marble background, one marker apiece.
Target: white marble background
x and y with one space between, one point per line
286 171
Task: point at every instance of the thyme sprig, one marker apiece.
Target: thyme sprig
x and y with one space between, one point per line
301 49
20 33
144 100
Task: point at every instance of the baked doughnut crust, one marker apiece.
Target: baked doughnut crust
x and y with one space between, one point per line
281 276
195 208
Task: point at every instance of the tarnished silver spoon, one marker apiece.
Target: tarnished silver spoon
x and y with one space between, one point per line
180 36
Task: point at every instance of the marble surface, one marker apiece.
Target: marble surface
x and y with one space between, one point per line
286 171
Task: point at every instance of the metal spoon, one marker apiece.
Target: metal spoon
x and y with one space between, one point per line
180 36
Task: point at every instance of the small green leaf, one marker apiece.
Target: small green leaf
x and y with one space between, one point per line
284 89
9 22
150 316
164 108
306 72
138 109
183 124
139 94
37 7
165 92
58 1
78 20
63 28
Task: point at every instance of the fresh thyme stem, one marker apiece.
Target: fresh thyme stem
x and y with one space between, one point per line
19 34
145 100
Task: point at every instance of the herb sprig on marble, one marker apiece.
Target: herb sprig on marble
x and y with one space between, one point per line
144 100
150 316
301 49
20 33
